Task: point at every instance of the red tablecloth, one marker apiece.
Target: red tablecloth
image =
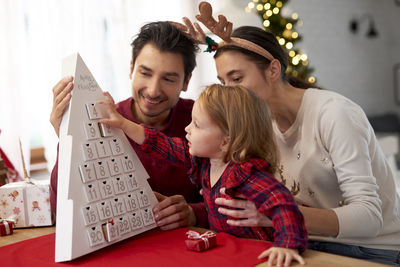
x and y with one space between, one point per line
154 248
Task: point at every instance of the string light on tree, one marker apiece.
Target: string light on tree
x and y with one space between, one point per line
284 29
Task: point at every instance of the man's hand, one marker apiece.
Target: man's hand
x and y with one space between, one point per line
173 212
61 97
246 216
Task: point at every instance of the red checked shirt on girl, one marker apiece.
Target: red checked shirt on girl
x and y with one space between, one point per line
250 178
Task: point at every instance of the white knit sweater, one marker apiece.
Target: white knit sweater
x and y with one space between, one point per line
331 159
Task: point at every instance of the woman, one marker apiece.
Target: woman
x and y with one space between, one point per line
330 158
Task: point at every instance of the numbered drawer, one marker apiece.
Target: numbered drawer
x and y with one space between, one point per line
106 189
101 169
131 202
87 172
103 148
118 206
124 226
135 220
90 215
111 231
116 146
95 235
106 130
143 198
89 151
119 184
115 166
91 130
91 191
93 111
104 209
148 216
131 181
127 163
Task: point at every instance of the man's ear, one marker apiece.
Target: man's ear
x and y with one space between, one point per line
273 71
186 83
131 69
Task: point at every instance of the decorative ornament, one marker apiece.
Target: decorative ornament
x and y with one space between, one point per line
295 188
211 45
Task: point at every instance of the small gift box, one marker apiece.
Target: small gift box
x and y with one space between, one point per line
28 202
200 242
6 227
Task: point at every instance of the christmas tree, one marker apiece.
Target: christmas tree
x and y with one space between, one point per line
283 27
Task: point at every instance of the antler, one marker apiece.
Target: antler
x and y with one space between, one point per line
196 36
221 28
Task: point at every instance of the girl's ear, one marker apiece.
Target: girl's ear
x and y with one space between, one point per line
225 143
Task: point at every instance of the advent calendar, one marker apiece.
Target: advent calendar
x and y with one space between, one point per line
103 194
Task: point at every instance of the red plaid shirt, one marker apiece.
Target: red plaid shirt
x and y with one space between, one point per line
250 179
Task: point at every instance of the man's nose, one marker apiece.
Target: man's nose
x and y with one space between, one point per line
154 88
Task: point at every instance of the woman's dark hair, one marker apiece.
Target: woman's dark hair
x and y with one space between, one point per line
269 42
167 38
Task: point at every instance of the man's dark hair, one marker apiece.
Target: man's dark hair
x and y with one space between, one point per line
167 38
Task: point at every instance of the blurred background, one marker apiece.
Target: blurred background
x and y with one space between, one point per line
348 46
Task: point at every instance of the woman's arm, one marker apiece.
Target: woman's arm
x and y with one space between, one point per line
318 221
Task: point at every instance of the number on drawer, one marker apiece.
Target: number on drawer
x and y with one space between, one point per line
87 172
95 235
92 192
90 214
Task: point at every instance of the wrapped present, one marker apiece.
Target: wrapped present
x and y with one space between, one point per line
28 201
3 177
6 227
200 242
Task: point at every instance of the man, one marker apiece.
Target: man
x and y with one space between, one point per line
161 67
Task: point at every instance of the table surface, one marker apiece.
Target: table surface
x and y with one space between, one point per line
312 257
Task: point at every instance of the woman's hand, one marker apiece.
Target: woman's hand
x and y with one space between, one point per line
278 256
247 216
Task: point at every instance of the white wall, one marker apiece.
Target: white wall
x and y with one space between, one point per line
351 64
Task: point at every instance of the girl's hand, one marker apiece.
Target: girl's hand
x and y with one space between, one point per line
114 119
281 256
247 216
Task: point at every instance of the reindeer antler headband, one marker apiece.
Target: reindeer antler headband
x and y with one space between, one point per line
221 28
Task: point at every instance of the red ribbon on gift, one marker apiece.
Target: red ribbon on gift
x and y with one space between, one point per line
200 242
6 227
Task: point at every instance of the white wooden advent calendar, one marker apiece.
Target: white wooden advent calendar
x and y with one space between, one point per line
103 194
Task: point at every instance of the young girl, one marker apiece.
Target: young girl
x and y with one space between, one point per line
230 145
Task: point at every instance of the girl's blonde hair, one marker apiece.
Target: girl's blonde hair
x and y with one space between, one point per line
245 118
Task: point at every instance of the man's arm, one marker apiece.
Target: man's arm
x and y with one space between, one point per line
61 97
